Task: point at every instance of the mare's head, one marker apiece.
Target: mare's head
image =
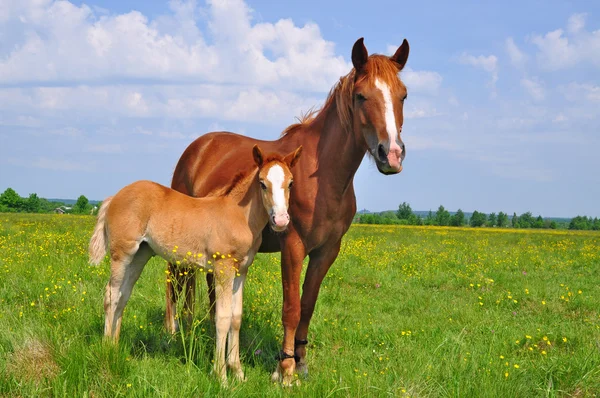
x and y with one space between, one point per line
275 179
378 102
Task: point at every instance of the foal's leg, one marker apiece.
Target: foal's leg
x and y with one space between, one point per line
223 292
233 342
125 271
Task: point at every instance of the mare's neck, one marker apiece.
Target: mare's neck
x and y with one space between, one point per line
339 152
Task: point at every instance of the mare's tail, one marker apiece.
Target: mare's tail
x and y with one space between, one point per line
99 241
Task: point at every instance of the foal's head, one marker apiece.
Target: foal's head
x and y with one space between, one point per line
275 180
378 102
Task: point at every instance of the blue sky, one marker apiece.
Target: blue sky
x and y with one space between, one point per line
502 113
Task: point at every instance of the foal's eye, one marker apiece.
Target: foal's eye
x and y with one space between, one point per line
405 97
361 97
263 186
291 183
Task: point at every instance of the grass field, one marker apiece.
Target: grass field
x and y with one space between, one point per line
404 311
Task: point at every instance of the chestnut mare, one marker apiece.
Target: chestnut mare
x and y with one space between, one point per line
362 114
146 219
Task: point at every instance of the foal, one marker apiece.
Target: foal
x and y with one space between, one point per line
220 234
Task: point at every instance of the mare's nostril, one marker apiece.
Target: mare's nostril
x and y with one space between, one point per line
381 153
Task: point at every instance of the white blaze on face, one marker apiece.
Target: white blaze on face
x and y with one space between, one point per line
390 117
276 177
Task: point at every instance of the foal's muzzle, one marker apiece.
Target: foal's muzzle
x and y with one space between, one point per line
280 221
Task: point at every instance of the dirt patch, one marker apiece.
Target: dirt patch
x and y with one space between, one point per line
33 362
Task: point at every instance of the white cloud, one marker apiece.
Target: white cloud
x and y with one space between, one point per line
178 102
104 148
557 50
517 57
582 91
534 88
487 63
560 118
576 22
61 42
50 164
421 81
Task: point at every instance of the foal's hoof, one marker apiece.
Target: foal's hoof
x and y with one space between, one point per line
239 376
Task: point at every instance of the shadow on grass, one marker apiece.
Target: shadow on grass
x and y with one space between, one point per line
258 340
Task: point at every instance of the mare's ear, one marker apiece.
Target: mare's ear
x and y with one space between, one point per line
359 55
258 156
293 157
401 55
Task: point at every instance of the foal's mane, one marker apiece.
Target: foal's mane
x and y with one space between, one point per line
378 66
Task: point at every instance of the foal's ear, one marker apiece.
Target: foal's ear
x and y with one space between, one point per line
292 158
401 55
359 55
258 156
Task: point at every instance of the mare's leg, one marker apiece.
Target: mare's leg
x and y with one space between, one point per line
172 294
125 271
233 343
223 290
292 255
319 264
176 281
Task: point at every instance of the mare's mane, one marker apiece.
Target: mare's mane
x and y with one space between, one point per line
378 66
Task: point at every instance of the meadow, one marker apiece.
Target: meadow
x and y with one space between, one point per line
404 311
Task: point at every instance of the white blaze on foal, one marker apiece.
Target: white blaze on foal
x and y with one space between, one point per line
279 213
390 123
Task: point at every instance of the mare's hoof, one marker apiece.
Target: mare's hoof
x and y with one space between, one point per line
302 370
286 381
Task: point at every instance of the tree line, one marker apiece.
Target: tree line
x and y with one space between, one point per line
442 217
11 202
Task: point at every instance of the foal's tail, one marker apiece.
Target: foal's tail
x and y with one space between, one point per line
98 243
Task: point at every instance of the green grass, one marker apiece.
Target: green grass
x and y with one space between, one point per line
404 311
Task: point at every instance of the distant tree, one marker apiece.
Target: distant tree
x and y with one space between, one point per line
33 204
442 216
11 201
526 220
492 220
429 220
579 222
502 220
539 222
477 219
404 211
596 224
81 205
458 219
553 225
515 221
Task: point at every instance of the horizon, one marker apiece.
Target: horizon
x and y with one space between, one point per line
502 108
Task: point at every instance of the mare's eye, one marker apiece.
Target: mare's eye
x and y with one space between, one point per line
405 97
263 186
361 97
291 183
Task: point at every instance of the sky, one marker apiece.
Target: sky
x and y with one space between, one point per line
502 111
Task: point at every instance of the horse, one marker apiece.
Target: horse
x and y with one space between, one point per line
363 114
219 233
